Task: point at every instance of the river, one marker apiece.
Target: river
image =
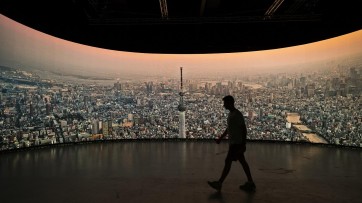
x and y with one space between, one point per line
294 119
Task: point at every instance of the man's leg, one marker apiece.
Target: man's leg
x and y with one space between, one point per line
250 185
226 170
218 184
246 168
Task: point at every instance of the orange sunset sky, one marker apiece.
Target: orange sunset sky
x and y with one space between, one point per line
23 46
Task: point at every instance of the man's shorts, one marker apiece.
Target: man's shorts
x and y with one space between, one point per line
236 152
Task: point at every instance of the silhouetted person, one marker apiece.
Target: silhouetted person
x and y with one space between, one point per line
236 129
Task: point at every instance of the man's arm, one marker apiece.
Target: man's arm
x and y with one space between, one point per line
218 140
244 131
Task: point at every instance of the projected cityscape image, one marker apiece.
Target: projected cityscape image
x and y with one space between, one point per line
54 91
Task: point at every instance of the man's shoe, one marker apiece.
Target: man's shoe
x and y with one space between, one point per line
215 184
248 187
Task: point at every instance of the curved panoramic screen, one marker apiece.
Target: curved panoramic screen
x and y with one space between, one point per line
55 91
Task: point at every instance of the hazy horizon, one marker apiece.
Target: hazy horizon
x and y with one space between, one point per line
24 47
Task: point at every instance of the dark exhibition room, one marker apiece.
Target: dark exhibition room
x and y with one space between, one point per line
169 101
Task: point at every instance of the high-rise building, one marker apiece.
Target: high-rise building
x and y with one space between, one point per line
303 81
117 86
31 110
95 127
251 115
48 108
107 128
335 83
193 87
261 113
181 109
130 117
353 73
85 100
207 86
149 87
310 90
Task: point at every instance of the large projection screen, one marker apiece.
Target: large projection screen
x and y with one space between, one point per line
55 91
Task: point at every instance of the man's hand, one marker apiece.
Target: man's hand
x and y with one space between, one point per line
218 139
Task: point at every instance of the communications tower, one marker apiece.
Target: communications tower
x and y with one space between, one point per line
181 109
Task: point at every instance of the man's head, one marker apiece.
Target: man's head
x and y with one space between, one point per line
228 102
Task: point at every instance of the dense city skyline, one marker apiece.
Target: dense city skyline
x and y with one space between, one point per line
24 47
317 107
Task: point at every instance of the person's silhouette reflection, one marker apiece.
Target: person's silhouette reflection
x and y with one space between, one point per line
217 196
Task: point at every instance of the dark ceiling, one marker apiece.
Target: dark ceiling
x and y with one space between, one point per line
188 26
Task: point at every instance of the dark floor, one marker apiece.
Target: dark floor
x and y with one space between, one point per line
170 172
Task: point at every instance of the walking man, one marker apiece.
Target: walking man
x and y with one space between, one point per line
236 130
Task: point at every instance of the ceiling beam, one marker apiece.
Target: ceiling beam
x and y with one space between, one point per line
273 8
163 7
202 7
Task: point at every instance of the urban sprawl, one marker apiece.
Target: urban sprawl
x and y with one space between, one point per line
309 107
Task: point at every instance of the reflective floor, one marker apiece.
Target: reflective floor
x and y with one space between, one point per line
157 171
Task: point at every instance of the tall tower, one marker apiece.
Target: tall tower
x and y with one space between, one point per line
181 109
